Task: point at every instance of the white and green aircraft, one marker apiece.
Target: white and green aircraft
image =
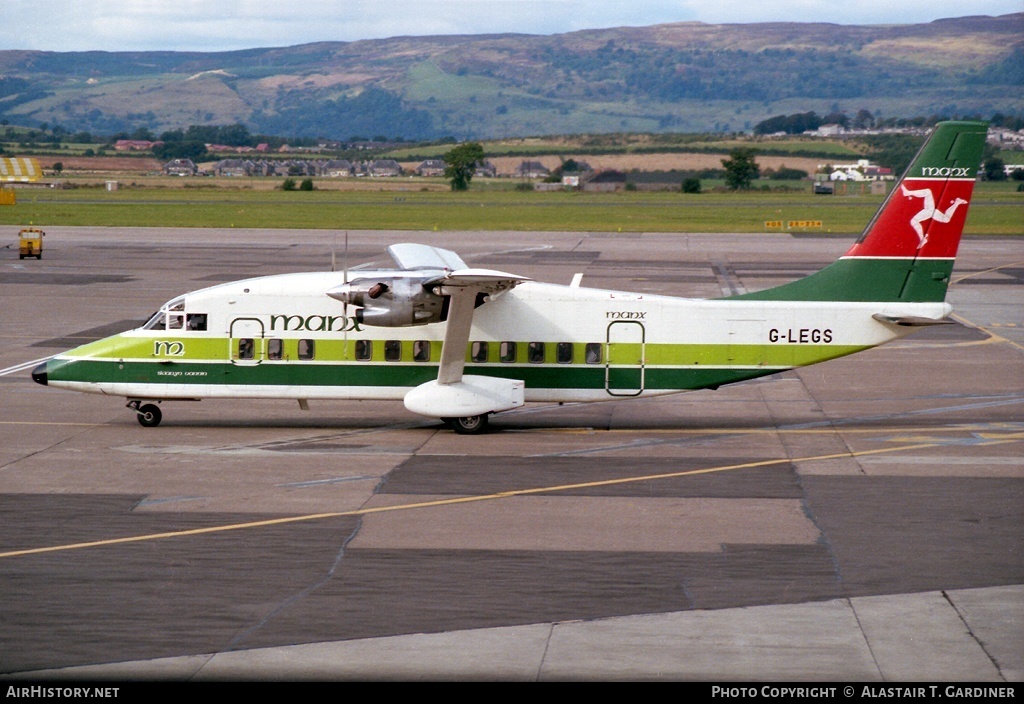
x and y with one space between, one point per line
459 343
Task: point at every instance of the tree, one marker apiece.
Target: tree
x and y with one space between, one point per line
784 173
994 169
863 119
180 150
460 164
691 185
740 168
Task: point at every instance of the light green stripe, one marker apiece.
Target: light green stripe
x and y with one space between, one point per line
215 350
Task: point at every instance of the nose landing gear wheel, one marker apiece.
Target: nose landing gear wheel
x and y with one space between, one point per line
149 415
471 425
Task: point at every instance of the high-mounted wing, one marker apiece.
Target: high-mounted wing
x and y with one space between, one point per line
410 256
411 294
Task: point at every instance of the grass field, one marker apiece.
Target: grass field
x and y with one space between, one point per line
997 209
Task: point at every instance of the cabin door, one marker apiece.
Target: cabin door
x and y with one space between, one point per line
624 365
246 342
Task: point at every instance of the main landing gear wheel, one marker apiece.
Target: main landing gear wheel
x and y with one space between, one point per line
149 415
470 425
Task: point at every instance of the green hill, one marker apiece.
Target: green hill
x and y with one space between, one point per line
689 77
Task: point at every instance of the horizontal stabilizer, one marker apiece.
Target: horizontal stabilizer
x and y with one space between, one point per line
911 320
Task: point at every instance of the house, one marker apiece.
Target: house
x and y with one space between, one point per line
233 167
829 130
578 175
605 182
134 145
863 170
180 167
431 167
385 167
301 167
337 168
532 169
486 169
879 173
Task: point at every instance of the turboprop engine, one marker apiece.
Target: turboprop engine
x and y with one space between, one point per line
391 302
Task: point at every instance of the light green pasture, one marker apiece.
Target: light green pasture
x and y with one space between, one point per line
997 209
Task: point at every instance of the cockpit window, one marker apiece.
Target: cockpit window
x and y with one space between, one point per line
155 322
171 316
196 321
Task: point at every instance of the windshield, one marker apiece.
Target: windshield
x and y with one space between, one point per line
171 316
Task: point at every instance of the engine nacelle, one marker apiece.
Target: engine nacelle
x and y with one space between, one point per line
391 302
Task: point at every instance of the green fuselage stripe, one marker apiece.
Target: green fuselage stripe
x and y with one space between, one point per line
665 367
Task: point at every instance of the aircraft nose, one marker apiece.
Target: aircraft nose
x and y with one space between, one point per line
39 374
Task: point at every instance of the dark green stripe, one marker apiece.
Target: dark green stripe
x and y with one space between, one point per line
355 374
907 280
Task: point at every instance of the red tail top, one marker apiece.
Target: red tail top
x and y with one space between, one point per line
924 215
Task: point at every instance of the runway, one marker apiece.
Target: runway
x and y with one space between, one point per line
859 520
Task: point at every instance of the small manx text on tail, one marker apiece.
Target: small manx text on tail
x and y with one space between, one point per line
459 343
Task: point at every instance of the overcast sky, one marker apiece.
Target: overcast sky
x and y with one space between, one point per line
217 25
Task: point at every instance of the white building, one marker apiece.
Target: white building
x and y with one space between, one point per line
863 170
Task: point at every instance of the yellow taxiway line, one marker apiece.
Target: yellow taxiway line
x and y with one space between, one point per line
1011 437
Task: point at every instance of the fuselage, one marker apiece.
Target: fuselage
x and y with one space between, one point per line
283 337
511 340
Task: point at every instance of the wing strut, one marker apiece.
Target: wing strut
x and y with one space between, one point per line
456 335
455 394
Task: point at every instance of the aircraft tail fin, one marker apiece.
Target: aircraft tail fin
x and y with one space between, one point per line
906 252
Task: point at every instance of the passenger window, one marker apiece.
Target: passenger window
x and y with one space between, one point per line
246 348
593 353
478 352
392 350
275 349
535 352
364 350
307 349
507 352
563 353
421 351
195 321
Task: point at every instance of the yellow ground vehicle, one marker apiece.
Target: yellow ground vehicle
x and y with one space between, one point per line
31 241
